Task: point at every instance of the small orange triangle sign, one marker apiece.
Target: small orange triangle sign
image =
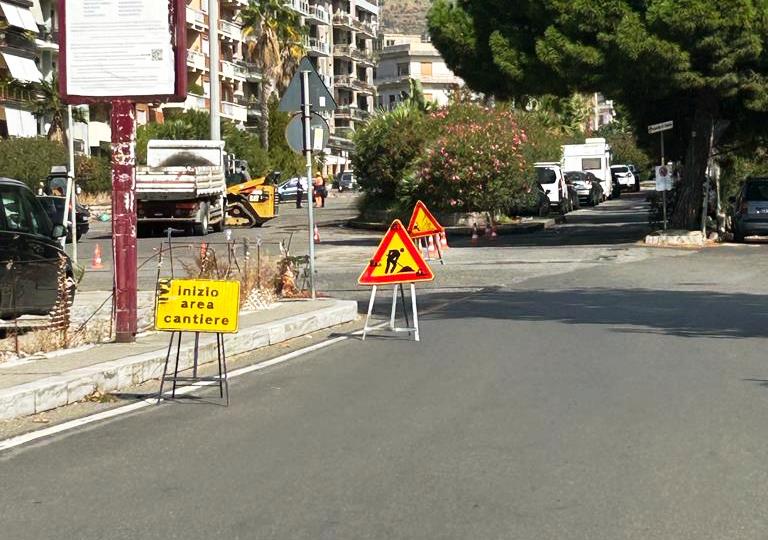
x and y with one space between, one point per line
423 223
397 260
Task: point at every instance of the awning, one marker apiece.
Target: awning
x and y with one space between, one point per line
20 123
23 69
20 17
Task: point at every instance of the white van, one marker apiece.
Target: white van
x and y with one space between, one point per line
550 177
593 156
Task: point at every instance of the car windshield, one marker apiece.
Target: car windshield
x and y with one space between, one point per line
757 191
575 176
21 212
620 169
545 176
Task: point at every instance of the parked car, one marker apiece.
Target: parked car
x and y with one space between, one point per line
54 207
550 177
30 254
346 181
587 187
750 209
287 190
637 175
535 203
625 178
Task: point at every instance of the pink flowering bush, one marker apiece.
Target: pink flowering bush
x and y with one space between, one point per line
476 160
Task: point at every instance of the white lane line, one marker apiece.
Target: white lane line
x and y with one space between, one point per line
125 409
20 440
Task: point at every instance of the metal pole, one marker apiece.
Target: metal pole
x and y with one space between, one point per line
123 123
213 53
662 148
73 198
306 116
663 193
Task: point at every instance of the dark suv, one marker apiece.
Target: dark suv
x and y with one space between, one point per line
750 209
30 254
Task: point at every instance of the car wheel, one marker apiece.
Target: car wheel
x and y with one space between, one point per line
738 236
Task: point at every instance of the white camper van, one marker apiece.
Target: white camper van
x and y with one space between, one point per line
593 156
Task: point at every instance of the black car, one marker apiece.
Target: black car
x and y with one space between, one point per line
346 181
54 207
30 254
750 209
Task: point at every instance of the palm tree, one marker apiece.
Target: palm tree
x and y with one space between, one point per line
274 35
45 102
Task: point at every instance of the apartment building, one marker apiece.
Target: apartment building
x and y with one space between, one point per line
405 57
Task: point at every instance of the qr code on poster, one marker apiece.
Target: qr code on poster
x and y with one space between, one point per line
157 55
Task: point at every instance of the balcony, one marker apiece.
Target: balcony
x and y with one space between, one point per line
344 132
231 70
318 15
252 72
350 22
344 81
317 47
235 3
254 107
197 19
234 111
350 51
352 113
196 60
299 6
229 30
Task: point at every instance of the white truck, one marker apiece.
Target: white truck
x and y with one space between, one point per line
183 185
593 156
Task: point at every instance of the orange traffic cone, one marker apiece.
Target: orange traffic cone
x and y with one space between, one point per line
431 251
443 241
493 233
96 263
475 236
317 235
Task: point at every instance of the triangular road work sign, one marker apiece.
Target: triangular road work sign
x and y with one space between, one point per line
423 223
320 97
397 260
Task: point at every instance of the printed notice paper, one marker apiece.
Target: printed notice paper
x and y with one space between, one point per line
119 48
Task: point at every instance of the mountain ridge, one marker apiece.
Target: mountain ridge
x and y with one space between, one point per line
404 16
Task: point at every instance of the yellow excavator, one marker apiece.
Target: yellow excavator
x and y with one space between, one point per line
251 203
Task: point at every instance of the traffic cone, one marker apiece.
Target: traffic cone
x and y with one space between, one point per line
96 263
487 232
317 235
443 241
493 233
475 236
431 251
203 250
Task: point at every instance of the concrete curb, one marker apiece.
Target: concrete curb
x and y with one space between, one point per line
507 228
72 386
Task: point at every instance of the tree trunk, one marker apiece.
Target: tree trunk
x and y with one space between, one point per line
266 93
690 193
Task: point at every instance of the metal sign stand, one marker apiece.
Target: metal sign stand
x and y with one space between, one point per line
424 247
393 313
221 378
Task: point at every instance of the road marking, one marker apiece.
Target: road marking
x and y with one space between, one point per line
27 438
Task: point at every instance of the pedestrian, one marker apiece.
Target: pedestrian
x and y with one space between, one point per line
320 191
246 176
299 193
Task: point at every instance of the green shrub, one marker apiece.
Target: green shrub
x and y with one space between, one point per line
30 159
93 173
386 151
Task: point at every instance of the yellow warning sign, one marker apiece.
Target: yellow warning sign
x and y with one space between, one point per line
423 223
397 260
197 305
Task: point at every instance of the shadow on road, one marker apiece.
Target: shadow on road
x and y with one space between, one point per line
630 311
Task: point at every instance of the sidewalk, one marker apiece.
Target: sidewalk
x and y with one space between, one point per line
35 385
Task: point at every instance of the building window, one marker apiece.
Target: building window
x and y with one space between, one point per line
403 69
426 69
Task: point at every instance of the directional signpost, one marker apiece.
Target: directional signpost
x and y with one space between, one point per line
308 94
663 178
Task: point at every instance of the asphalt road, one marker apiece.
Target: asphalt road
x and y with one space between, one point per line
613 392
